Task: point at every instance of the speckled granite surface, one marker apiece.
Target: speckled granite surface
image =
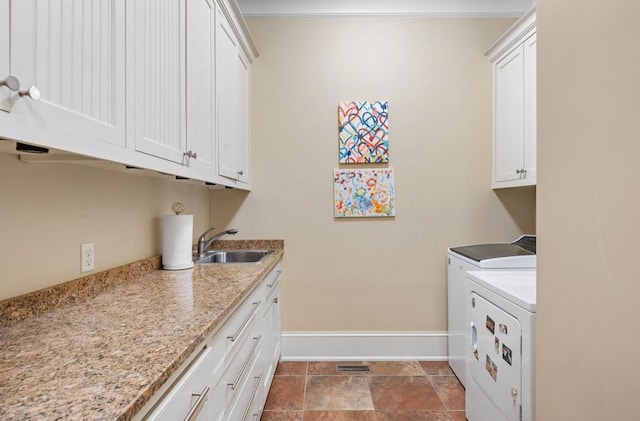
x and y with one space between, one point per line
104 355
33 304
247 244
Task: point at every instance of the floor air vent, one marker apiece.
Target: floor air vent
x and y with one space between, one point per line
353 368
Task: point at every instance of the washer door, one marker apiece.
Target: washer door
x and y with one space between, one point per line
495 362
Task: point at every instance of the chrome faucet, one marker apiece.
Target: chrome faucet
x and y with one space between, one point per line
203 243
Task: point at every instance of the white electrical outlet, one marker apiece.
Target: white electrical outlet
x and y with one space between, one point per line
86 257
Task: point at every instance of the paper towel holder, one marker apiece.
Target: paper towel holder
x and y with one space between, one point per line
177 239
177 208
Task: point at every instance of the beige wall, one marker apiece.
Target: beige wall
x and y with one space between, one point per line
48 210
373 274
588 210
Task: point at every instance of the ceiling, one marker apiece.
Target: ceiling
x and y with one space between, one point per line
361 8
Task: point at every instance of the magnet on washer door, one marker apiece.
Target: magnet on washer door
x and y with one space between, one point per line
503 328
492 368
491 325
506 354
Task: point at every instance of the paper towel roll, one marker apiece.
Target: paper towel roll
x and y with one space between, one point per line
177 234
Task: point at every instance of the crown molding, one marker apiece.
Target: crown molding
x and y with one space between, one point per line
520 30
232 12
381 8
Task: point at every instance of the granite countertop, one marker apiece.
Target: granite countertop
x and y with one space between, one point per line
104 355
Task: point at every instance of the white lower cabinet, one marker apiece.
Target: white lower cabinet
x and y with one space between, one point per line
271 326
189 398
228 378
244 401
239 362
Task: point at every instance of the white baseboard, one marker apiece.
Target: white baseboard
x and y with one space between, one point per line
364 346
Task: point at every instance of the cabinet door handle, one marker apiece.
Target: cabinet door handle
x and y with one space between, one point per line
32 92
241 172
253 395
246 321
275 280
191 154
11 82
273 284
245 364
197 407
275 300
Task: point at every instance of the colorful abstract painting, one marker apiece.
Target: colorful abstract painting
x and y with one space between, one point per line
364 193
364 132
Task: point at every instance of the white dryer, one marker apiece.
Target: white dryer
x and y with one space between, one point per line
501 318
521 254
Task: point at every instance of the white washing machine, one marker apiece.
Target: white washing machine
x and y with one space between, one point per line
521 254
501 316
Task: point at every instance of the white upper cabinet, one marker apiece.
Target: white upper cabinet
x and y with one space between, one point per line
530 107
136 82
201 98
509 116
5 70
173 76
191 87
232 80
157 77
514 105
69 59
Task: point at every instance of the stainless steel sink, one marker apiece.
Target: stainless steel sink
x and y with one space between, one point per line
234 256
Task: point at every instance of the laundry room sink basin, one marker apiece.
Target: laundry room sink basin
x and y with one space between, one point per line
233 256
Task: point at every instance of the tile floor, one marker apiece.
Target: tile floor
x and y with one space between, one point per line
391 391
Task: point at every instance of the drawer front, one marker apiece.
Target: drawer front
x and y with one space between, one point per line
271 282
247 406
235 332
270 325
239 327
190 395
237 372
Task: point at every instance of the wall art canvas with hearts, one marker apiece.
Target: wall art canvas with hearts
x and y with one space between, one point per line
364 132
364 193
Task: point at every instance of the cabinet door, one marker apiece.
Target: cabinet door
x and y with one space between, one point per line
73 52
232 92
268 328
5 70
509 116
530 117
158 76
276 341
242 140
200 101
